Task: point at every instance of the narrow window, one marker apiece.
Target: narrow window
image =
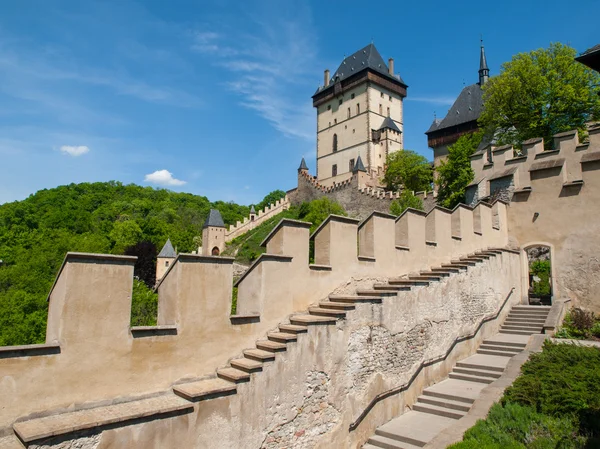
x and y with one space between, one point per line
357 108
341 101
390 98
388 111
166 263
381 94
352 96
348 112
334 170
329 107
334 143
380 110
335 121
351 165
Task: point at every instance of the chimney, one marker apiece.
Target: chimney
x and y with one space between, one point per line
326 78
391 66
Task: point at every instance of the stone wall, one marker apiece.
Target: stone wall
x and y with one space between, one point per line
241 227
554 201
358 202
92 357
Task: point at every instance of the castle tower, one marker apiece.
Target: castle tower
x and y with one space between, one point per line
252 213
165 259
359 114
213 234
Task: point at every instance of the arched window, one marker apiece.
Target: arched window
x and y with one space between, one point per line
334 143
357 108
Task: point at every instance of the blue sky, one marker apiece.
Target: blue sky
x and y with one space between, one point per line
213 97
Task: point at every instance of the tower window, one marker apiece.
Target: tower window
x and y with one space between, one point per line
351 165
335 121
381 94
352 96
335 143
388 109
390 98
166 263
348 112
341 101
380 110
329 107
334 170
357 108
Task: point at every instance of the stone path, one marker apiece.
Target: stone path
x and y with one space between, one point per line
442 404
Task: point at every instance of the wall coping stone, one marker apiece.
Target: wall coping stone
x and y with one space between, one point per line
336 218
545 165
547 153
376 213
286 222
569 133
412 211
264 257
186 257
590 157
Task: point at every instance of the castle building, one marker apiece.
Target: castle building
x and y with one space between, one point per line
165 259
461 118
359 114
213 234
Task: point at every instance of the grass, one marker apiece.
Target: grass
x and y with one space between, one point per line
555 403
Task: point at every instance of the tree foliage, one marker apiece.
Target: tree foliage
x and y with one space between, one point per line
406 200
409 170
270 198
106 217
539 94
455 173
318 210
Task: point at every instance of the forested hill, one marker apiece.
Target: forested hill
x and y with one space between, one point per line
105 217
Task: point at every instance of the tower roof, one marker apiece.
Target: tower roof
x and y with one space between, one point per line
390 124
302 165
484 71
167 250
466 108
252 210
434 125
367 58
591 58
359 166
214 219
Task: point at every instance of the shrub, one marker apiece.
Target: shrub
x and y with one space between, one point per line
583 321
407 199
144 305
541 269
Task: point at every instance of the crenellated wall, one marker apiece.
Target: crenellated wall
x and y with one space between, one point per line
92 356
261 216
554 200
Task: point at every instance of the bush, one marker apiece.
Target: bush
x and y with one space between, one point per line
144 305
541 269
583 321
406 200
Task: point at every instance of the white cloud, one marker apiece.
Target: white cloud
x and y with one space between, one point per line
163 178
74 150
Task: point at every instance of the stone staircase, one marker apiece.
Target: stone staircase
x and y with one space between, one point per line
445 402
327 312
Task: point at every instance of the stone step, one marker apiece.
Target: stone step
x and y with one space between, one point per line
336 313
447 403
354 298
526 307
205 389
292 328
480 372
522 327
312 320
471 378
403 282
454 390
425 278
383 442
395 287
499 342
517 319
435 273
247 365
260 355
527 314
485 362
336 305
448 269
372 292
233 375
480 256
460 266
505 331
440 411
70 422
511 349
468 263
472 259
271 346
414 428
282 337
496 353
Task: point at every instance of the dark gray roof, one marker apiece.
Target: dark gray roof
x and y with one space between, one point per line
365 58
467 107
303 165
214 219
252 210
482 60
359 166
589 51
389 123
434 125
167 250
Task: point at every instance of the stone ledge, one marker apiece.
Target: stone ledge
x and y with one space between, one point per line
366 259
205 389
29 350
153 331
402 248
316 267
245 319
265 257
65 423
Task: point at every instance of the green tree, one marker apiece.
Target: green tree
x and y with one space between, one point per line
407 169
455 173
406 200
124 234
539 94
318 210
270 198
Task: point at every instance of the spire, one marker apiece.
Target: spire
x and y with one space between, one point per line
303 165
484 71
167 250
252 210
359 166
214 219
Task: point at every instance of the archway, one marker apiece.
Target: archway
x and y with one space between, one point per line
215 251
539 274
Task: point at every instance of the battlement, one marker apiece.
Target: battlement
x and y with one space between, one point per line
93 355
503 172
261 216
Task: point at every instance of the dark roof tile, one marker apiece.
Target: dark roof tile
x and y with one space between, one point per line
467 108
214 219
168 250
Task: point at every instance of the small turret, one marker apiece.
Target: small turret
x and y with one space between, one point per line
213 234
303 166
252 213
359 166
164 259
484 71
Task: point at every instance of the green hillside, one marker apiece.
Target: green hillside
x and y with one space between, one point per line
107 217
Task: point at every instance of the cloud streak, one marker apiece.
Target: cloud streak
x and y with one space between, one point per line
74 151
163 178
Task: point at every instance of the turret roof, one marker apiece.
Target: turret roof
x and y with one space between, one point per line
214 219
303 165
467 107
168 250
359 166
390 124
